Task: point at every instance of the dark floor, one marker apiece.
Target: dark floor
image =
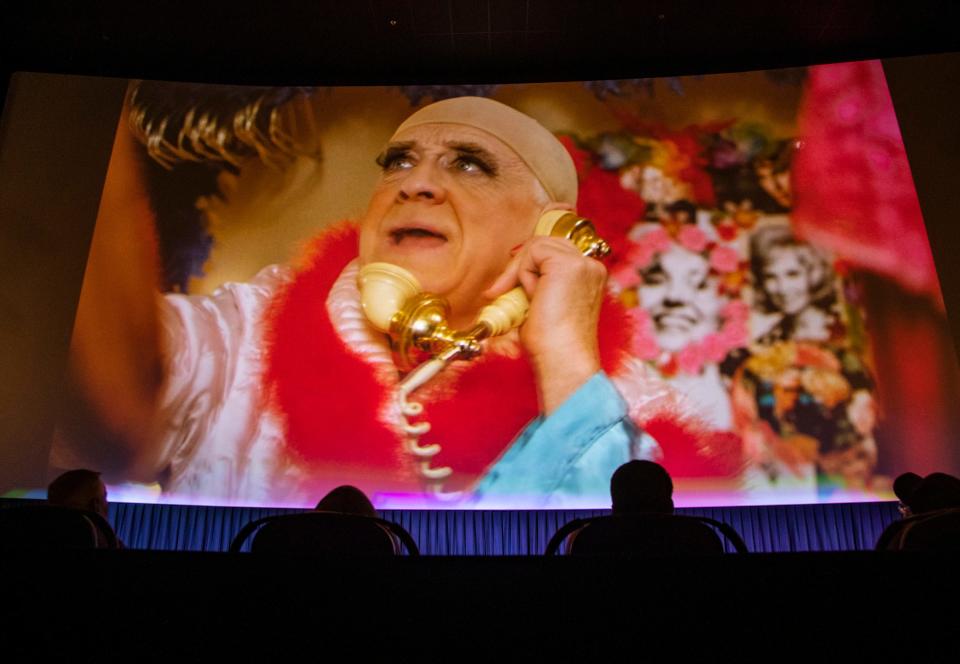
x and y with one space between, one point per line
168 606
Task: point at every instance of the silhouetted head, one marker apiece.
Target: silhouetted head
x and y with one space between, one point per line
348 500
903 488
79 489
937 491
641 487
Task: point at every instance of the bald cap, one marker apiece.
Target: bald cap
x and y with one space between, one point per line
540 150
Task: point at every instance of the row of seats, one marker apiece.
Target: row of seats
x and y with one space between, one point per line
323 532
645 534
345 521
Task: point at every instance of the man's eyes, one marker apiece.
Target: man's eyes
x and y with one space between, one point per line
393 161
399 161
471 164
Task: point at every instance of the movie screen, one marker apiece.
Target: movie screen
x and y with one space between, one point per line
291 289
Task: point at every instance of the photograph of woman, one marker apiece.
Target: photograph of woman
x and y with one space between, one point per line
802 390
794 287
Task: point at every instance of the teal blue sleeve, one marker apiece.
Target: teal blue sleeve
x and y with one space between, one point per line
566 459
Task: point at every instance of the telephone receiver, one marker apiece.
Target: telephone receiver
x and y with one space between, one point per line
394 302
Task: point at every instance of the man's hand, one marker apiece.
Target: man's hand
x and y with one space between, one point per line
565 289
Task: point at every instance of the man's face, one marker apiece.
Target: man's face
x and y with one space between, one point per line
681 297
450 205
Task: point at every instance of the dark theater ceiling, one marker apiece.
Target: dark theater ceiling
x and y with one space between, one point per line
429 41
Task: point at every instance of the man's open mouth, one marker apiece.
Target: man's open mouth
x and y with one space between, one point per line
416 234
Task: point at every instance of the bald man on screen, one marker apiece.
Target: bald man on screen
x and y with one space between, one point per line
275 390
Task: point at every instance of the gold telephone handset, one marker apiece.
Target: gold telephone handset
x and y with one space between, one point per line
416 321
394 303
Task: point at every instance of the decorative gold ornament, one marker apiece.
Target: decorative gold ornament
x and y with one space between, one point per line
275 133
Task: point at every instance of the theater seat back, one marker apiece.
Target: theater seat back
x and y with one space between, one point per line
936 531
334 533
645 535
50 527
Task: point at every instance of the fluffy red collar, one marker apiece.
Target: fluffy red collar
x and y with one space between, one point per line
329 397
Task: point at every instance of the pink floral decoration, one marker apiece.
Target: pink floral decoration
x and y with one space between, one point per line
692 238
691 358
715 347
657 240
736 310
645 344
733 333
724 259
625 274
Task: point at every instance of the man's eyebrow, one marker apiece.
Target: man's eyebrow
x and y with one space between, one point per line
475 150
470 148
393 150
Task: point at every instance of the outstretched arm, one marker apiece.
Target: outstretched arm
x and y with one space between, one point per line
115 353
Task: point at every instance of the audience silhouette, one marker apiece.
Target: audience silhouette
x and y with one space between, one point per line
931 509
347 500
79 489
75 516
636 488
344 522
937 491
903 488
643 521
641 487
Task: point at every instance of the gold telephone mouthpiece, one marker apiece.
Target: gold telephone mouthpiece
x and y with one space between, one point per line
393 302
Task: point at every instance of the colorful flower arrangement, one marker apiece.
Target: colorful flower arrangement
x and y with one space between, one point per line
722 259
638 175
704 189
635 174
803 392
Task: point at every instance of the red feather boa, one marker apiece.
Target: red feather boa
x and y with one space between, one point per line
329 397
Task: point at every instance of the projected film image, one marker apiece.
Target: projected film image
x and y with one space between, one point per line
291 289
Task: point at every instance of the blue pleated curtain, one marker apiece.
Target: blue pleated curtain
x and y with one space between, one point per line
779 528
836 527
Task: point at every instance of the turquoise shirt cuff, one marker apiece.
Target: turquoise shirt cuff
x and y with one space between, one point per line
573 451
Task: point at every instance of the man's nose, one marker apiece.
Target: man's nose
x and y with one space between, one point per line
424 182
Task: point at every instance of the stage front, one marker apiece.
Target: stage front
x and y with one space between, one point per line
765 529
